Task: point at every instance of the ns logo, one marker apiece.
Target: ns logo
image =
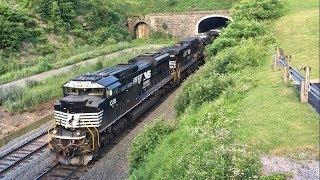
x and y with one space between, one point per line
142 77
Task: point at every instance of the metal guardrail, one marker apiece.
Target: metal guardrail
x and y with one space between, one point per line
298 78
315 90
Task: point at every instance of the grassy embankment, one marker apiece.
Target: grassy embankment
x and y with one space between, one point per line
235 99
158 6
206 141
272 118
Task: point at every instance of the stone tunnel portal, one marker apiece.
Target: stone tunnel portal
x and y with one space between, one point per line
212 22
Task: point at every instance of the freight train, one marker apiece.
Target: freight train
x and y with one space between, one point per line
96 107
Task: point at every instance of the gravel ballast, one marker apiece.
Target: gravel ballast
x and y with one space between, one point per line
115 164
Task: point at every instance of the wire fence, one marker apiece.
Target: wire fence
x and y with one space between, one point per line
309 91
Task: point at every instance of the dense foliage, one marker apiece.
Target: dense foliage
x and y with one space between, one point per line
33 28
18 30
259 10
205 86
146 142
138 7
236 31
95 21
16 27
203 145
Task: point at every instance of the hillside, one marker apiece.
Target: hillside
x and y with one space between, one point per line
273 119
236 110
35 35
138 7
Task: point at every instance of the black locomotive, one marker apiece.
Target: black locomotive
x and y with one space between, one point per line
97 106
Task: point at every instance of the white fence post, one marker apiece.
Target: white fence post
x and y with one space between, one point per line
304 94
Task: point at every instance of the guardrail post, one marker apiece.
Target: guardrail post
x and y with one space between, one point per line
286 75
304 95
276 59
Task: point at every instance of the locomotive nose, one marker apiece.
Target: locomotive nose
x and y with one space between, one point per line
73 102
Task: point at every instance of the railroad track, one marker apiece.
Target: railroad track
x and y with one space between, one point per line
60 171
21 153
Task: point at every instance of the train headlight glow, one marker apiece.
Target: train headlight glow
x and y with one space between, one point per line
78 133
54 132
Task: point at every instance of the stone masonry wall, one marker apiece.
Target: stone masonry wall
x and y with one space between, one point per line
178 25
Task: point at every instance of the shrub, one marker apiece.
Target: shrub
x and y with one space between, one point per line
244 29
203 145
94 21
99 65
10 93
16 27
235 32
259 9
172 2
44 66
220 44
248 53
145 142
205 87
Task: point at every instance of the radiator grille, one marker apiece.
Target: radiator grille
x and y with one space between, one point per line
79 120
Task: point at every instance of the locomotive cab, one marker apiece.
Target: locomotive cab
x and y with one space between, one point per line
78 116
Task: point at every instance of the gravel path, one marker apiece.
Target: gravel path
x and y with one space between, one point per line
298 169
47 74
114 165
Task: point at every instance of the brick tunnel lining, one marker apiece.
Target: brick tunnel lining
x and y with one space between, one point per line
212 23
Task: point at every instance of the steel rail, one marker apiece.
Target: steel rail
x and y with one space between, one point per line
20 153
67 172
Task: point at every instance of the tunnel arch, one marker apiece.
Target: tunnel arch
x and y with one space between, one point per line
211 22
141 30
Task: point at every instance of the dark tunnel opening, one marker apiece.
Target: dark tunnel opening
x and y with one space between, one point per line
212 23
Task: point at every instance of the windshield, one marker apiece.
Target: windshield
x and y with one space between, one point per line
84 91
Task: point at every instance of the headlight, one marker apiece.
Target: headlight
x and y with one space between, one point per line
54 131
78 133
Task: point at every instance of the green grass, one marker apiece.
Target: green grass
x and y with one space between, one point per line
300 5
273 120
298 34
159 6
